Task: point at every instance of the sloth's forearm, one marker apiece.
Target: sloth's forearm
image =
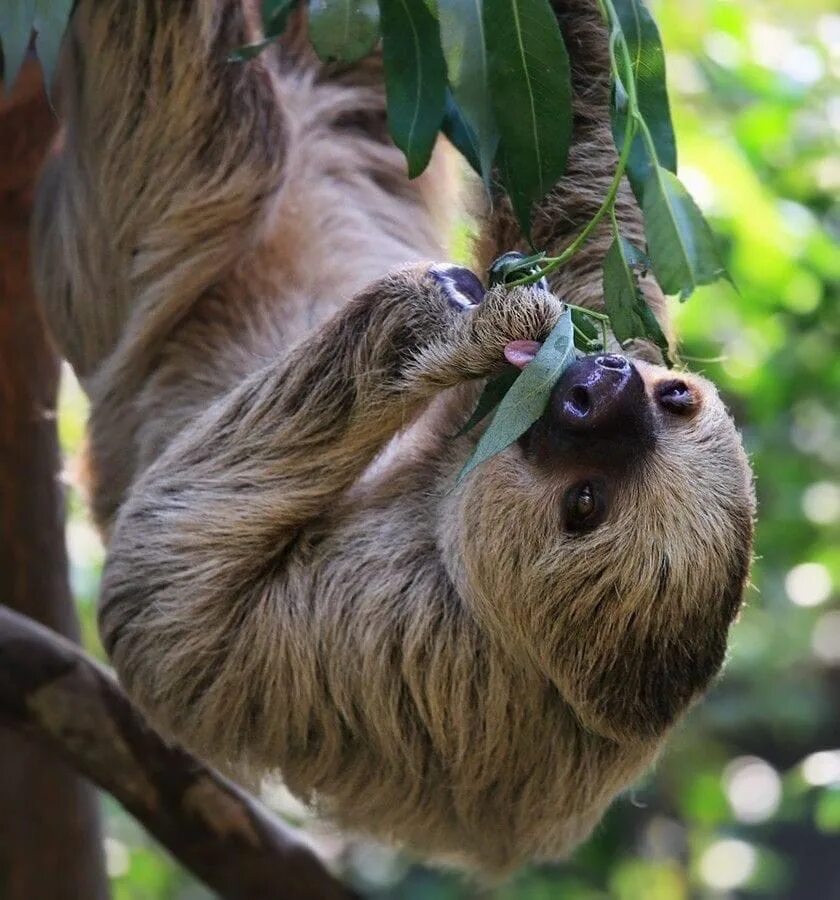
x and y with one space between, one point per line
165 181
196 596
230 492
298 432
197 581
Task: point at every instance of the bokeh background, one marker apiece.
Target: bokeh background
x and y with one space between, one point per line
746 799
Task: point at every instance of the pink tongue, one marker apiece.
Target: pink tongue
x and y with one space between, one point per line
520 353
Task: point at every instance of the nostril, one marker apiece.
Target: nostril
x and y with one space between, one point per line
578 402
611 361
676 396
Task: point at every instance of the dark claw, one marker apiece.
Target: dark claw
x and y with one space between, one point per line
462 287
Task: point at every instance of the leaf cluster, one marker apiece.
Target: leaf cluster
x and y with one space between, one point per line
494 77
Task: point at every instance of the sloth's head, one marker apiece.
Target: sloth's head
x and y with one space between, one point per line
610 546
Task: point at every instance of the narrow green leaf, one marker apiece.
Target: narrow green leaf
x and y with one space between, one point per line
491 396
276 15
647 60
462 40
648 70
630 315
680 243
51 17
344 30
528 396
16 19
460 134
415 78
531 92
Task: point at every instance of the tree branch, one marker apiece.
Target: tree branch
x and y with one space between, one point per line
50 834
53 692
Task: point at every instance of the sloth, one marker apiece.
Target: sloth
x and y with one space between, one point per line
279 361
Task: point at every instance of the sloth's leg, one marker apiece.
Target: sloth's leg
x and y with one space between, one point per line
165 173
195 595
163 185
562 215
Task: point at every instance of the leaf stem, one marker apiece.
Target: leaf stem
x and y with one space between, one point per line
588 312
602 319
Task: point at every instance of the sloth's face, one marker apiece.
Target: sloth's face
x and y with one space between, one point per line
611 546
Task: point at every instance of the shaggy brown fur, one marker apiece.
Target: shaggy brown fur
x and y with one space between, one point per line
294 581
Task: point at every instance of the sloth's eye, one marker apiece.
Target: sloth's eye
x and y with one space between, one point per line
675 396
584 507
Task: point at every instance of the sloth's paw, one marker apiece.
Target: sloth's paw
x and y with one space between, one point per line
488 326
506 327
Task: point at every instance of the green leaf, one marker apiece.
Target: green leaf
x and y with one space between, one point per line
528 396
531 91
491 396
588 336
647 62
415 78
462 40
460 134
16 17
630 315
344 30
680 243
51 17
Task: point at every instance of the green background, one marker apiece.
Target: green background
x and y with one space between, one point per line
746 799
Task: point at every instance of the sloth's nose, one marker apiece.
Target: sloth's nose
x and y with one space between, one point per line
599 396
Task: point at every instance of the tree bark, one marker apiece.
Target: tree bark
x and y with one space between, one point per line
50 840
51 691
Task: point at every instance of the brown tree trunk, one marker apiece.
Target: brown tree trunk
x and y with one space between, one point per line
50 840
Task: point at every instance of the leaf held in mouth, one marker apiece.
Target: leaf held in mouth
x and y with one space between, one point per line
528 396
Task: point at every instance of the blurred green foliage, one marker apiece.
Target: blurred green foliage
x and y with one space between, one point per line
746 800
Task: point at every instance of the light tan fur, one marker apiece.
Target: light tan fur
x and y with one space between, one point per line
233 260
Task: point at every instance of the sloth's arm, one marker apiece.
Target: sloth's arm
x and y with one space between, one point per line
207 535
165 173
